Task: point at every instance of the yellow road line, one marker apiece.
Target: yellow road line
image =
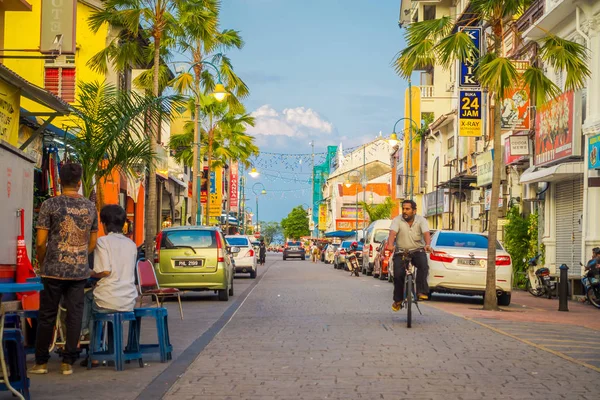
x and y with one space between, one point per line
567 341
574 346
530 343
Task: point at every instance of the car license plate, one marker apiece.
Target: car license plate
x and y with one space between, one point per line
468 261
188 263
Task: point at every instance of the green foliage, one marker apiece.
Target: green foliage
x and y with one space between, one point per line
295 225
378 211
271 232
521 242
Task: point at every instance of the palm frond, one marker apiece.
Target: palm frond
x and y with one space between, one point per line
433 29
541 87
416 56
498 74
456 46
566 55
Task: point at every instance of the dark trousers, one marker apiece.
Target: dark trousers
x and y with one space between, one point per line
72 294
419 260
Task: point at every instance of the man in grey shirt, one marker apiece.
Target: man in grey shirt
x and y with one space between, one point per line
409 231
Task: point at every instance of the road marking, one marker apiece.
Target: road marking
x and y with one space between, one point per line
526 341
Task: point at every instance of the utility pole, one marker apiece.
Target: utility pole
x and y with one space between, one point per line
364 183
312 143
410 139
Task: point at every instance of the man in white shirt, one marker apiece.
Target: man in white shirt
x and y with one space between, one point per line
409 231
115 258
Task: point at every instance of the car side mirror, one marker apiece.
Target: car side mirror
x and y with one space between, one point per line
234 250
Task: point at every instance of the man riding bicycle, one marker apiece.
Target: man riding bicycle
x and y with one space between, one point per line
409 231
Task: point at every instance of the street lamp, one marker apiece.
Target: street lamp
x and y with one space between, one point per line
348 184
247 211
263 192
254 173
219 94
394 139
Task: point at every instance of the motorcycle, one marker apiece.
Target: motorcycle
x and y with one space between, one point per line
352 262
591 282
539 281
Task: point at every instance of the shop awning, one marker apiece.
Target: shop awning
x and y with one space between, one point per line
555 173
461 182
340 234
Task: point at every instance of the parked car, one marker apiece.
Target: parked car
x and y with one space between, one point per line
330 253
245 259
458 264
194 258
382 261
294 250
339 261
377 232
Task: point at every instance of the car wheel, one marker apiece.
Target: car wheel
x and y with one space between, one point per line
504 299
231 288
253 274
223 295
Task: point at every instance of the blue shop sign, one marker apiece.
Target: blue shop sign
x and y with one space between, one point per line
594 152
467 77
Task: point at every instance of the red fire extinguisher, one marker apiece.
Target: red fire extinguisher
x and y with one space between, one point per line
24 267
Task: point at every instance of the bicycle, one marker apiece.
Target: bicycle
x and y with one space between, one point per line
410 286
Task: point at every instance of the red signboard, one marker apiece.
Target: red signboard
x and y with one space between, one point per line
510 158
233 181
554 130
203 186
257 235
349 224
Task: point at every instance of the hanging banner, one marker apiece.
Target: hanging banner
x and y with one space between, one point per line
470 120
216 192
554 130
467 78
515 106
322 217
9 113
233 182
594 152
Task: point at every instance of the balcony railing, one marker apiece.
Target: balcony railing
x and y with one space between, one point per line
531 15
427 91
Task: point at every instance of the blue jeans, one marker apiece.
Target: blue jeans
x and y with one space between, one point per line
90 307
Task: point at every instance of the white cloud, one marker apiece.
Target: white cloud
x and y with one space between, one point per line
299 121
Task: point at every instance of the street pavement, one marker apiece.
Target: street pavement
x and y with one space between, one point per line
307 331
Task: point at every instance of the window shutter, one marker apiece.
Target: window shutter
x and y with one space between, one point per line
67 88
52 81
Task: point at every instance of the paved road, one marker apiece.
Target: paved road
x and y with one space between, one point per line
307 331
310 332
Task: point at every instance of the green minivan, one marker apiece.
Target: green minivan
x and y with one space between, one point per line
194 258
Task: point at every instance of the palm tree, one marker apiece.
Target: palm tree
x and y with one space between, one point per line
110 133
437 41
139 20
201 39
378 211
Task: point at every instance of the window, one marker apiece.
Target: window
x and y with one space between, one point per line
237 241
467 240
428 12
450 142
381 235
189 238
61 82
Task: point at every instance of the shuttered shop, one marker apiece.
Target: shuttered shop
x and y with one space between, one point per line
569 212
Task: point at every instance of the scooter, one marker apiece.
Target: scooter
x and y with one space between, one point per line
353 266
539 281
591 282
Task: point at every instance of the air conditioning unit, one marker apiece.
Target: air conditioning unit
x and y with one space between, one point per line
479 145
475 211
475 196
450 87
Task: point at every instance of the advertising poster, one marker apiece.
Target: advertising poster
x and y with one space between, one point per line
594 152
488 200
234 184
554 130
203 186
216 192
515 106
322 217
350 212
10 97
470 118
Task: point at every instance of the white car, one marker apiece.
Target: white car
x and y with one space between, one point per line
246 260
458 265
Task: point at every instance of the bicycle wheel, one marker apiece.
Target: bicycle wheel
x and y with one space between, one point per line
409 299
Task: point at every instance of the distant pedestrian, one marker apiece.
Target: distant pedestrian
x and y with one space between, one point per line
66 234
314 252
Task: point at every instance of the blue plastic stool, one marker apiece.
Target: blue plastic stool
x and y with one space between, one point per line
15 358
114 350
163 347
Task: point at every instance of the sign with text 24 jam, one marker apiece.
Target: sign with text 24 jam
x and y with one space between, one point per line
467 77
470 121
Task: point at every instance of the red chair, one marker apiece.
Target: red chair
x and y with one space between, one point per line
148 285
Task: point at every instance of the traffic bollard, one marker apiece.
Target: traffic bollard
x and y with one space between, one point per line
563 288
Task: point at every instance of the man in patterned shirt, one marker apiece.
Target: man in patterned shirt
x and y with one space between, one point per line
66 234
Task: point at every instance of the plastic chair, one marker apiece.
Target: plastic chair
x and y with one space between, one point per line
148 285
114 351
163 347
12 341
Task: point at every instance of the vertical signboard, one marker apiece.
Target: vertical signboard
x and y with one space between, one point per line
203 186
485 168
57 30
470 117
10 97
412 149
233 182
516 104
594 152
554 130
466 70
322 217
216 192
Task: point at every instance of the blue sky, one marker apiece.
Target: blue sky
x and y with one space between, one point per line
317 70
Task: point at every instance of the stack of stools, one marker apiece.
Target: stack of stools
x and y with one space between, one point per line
163 347
114 350
14 350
